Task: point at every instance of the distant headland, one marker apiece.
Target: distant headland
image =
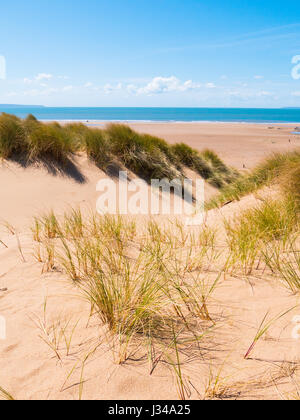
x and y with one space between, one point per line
21 106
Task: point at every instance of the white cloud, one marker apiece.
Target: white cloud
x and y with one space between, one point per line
160 85
297 93
258 77
39 78
189 84
88 85
43 76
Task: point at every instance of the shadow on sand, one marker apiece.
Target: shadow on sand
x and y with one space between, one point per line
70 170
64 169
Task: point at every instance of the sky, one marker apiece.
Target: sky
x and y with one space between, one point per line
150 53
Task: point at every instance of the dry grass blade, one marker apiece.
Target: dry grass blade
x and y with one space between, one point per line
5 246
4 395
263 328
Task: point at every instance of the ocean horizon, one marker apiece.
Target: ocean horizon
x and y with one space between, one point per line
89 114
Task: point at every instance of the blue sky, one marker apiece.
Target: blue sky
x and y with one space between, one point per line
150 52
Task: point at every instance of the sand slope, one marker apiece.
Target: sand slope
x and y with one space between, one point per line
31 300
30 369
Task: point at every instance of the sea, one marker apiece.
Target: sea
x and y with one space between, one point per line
230 115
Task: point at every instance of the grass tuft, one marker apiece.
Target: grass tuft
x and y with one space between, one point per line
137 284
254 229
147 156
269 171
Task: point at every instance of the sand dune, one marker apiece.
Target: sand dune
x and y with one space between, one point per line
31 299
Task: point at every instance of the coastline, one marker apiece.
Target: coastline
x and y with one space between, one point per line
159 114
63 121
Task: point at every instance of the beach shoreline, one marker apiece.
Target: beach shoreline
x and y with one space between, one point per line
175 115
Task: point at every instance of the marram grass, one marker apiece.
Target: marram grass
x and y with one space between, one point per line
137 284
277 169
249 234
147 156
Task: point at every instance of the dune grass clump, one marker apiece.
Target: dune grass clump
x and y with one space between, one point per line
266 233
97 147
289 182
125 140
78 131
130 300
215 161
192 159
250 234
147 156
273 220
269 171
33 140
152 157
12 136
284 262
207 164
222 174
46 227
243 246
137 284
283 258
49 141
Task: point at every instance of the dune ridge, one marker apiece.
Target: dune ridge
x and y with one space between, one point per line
147 308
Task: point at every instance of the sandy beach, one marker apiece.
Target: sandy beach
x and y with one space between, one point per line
32 189
33 299
150 203
237 143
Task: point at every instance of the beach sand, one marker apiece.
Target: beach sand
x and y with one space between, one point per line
28 368
238 144
26 192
